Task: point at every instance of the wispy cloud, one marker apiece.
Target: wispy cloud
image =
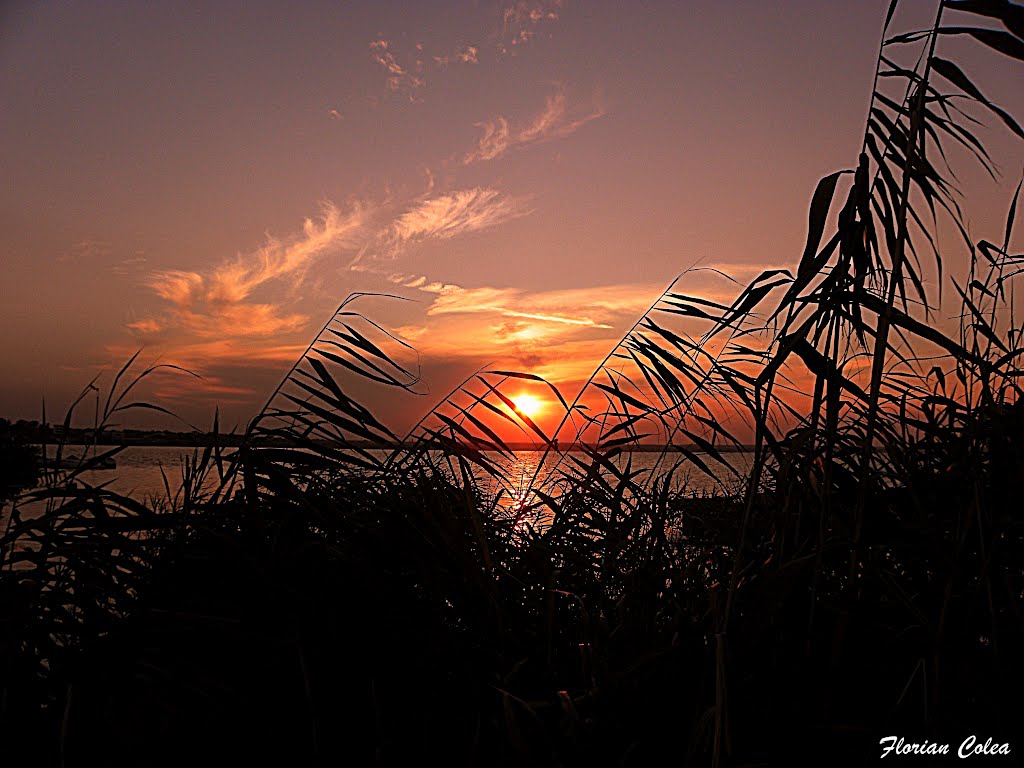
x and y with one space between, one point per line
406 68
560 334
405 79
406 71
522 20
130 265
467 54
554 121
232 370
218 302
234 314
456 213
146 327
605 305
537 331
176 389
439 217
87 249
234 280
246 316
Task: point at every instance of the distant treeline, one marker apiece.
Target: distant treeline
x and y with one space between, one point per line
36 432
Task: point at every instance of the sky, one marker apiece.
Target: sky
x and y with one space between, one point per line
207 181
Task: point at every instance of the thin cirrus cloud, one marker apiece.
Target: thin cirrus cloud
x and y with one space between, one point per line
456 213
522 20
405 73
89 249
231 369
529 330
235 310
554 121
606 305
219 302
439 217
406 79
468 54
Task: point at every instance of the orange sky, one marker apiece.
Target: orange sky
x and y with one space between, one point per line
208 182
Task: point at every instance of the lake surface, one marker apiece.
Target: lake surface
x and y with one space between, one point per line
141 470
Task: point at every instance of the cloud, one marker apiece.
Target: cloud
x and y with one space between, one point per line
219 302
405 72
496 140
242 320
467 54
438 217
233 312
456 213
236 372
605 304
187 389
521 21
149 326
234 280
400 79
130 265
539 331
177 287
552 122
561 334
89 249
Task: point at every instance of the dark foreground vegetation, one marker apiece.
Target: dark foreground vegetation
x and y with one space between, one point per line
299 604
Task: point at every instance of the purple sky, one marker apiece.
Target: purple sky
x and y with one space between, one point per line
209 180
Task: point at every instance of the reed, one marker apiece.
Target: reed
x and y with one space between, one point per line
322 603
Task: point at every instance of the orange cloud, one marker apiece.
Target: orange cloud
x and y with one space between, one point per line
522 19
213 318
147 327
604 303
89 249
408 77
456 213
526 330
234 280
187 389
552 122
177 287
399 78
225 315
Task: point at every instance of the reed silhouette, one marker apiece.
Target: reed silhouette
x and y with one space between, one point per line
309 600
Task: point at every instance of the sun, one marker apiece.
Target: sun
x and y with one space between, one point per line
528 405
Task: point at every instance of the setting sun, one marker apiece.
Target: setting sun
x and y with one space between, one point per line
528 405
542 356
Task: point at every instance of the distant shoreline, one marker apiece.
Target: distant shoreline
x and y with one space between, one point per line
166 439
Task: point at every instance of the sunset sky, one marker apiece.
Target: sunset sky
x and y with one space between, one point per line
208 180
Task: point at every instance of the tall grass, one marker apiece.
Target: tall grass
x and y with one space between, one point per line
348 593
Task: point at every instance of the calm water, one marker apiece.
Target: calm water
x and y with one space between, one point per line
140 470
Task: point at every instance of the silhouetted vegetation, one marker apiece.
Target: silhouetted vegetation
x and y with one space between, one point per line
19 463
308 600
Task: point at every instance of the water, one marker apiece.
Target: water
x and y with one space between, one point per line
140 469
140 473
